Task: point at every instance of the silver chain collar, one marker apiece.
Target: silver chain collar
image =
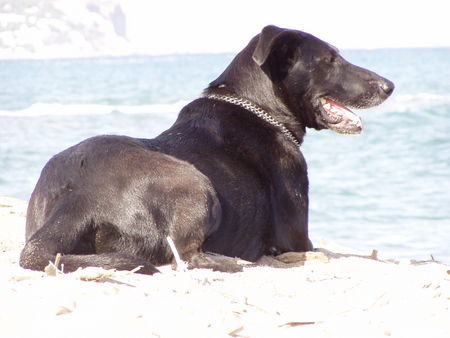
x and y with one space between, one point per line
247 105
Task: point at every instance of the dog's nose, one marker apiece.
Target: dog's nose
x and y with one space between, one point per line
387 86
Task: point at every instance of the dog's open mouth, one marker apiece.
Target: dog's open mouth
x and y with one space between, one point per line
339 118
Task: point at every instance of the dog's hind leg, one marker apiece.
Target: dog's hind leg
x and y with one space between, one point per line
61 233
39 251
198 215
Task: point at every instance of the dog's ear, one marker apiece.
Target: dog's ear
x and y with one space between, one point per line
275 40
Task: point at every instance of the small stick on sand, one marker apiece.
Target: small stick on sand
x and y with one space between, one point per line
181 266
374 254
52 268
57 260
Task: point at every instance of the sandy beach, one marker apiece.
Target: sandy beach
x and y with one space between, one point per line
334 295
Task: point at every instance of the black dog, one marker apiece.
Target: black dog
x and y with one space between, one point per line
226 178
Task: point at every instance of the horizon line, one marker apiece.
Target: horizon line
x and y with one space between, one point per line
94 55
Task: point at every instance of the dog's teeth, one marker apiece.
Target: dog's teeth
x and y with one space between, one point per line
327 106
335 109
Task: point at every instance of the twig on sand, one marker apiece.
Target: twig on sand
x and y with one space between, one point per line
136 269
181 266
418 262
93 274
57 259
52 268
294 324
235 332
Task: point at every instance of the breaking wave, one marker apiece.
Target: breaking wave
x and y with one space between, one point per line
56 109
423 98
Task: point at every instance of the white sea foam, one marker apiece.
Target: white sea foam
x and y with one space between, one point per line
400 102
403 103
57 109
425 98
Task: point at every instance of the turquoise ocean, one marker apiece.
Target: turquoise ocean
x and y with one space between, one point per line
386 189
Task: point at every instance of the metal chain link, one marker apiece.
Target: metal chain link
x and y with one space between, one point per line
257 111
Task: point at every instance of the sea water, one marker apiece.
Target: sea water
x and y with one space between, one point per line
386 189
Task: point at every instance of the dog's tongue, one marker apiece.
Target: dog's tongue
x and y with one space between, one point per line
339 118
336 106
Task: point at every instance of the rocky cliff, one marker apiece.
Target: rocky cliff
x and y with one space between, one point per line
62 28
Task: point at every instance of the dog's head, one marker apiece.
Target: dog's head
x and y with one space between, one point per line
317 84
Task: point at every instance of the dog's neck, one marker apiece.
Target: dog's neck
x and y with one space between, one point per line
244 79
258 111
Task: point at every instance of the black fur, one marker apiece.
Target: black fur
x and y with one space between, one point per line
219 180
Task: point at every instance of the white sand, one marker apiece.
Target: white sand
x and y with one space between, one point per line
346 297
